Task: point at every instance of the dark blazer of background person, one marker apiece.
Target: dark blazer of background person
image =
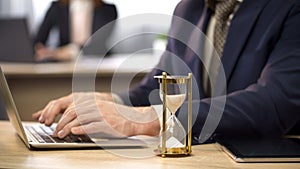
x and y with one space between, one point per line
261 59
58 16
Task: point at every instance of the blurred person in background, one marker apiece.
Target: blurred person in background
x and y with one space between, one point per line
76 21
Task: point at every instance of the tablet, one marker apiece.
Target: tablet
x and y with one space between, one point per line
262 150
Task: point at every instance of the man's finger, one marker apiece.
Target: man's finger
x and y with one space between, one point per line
36 115
68 117
67 128
54 108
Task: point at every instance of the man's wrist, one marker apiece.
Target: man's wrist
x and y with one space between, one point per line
150 126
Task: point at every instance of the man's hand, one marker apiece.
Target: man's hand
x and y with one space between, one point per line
55 107
84 113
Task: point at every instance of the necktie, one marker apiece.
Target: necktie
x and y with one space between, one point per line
223 9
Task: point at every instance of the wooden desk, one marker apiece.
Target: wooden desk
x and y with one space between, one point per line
34 85
14 154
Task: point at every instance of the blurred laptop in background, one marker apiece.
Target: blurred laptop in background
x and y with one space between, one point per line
15 43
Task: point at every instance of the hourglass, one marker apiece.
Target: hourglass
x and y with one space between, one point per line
173 137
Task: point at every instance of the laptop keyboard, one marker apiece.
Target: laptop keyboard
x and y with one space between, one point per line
44 134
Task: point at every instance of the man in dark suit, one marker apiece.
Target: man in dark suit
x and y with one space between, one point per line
62 17
260 58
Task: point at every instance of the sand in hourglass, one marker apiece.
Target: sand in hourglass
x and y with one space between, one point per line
173 102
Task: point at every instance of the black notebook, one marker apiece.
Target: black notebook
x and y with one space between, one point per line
262 150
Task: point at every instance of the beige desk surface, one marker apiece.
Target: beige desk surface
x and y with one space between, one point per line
14 154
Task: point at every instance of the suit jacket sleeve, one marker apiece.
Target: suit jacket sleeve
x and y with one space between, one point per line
47 24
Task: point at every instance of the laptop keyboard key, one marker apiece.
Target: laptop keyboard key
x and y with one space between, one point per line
47 130
74 138
58 140
85 139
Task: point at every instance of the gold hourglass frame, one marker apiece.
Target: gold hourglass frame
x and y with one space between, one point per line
164 80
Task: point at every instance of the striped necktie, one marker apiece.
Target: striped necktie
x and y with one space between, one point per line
223 9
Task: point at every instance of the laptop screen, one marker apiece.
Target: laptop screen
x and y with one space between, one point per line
10 106
15 42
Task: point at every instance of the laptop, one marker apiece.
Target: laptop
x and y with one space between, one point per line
15 43
285 149
39 136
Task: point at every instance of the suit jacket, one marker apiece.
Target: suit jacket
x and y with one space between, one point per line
58 16
261 61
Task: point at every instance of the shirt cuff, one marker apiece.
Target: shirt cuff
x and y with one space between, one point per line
117 99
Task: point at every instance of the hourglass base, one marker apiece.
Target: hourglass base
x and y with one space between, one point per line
173 152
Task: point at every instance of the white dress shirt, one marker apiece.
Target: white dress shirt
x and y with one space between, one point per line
81 14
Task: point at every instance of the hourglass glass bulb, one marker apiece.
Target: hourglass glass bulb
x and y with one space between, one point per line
173 102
